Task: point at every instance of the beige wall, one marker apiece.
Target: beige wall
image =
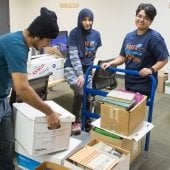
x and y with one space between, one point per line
113 18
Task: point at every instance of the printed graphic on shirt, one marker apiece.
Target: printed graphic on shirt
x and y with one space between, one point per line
90 48
134 52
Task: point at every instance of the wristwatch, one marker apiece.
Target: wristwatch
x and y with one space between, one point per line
152 69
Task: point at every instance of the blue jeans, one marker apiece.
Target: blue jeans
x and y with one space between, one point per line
6 136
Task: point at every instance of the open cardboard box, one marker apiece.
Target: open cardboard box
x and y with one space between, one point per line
120 120
134 147
51 166
131 143
89 157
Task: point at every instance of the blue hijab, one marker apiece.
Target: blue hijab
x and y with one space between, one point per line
79 34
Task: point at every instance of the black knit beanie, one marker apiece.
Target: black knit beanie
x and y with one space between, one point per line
45 25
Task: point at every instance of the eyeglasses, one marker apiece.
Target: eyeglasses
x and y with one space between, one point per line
139 16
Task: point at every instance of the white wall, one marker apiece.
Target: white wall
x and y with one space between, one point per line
113 18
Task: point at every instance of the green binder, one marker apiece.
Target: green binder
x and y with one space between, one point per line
105 133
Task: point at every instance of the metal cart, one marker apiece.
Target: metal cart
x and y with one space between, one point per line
91 91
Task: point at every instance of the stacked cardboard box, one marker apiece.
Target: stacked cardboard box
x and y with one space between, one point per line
131 143
35 136
121 120
32 133
124 124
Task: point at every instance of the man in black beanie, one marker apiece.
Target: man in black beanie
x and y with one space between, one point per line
14 48
45 25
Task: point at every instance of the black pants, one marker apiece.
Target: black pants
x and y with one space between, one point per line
77 104
6 136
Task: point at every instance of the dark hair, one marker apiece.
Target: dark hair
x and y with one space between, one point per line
149 9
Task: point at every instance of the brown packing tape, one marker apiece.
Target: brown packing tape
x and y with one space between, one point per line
114 117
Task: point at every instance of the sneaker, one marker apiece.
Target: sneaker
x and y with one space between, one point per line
76 128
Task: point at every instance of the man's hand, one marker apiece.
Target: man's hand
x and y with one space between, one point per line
53 120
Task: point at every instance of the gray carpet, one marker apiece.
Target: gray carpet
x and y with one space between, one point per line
158 156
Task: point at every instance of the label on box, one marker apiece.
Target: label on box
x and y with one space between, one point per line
44 65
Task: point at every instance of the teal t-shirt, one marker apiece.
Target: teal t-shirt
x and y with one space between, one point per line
13 58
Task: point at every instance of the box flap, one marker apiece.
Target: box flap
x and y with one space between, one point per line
66 115
42 58
33 113
38 56
139 132
28 111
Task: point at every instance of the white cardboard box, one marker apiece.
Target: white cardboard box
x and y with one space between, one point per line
44 64
31 129
26 161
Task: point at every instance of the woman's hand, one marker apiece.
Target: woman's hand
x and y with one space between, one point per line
80 81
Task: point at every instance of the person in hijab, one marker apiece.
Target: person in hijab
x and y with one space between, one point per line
83 42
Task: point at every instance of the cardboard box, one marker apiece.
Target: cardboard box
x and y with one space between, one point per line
51 166
134 147
162 77
131 143
93 156
44 64
26 161
31 129
120 120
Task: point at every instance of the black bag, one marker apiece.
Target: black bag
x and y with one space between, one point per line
104 78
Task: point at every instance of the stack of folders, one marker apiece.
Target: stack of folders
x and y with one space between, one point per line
121 98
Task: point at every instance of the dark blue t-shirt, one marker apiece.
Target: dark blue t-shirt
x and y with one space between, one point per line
142 51
86 51
13 58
